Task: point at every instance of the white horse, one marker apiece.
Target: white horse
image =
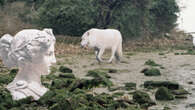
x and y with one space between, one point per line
101 39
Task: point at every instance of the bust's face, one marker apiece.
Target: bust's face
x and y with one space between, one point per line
43 61
50 56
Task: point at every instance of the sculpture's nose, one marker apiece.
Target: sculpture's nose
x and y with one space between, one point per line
54 61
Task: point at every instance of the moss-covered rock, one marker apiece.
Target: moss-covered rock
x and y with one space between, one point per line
143 99
151 63
6 78
112 71
66 92
180 91
168 84
14 71
95 74
163 94
99 78
60 83
47 98
5 98
64 69
181 96
67 75
118 94
130 86
151 72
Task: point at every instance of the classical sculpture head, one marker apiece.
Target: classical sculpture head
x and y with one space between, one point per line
32 51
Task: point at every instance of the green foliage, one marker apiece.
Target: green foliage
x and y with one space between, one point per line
2 2
163 14
70 17
133 18
7 78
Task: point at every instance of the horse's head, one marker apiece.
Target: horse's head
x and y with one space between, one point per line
85 40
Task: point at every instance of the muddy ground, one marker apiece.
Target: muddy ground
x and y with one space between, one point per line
174 67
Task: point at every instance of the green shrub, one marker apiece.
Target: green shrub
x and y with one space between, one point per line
132 17
70 17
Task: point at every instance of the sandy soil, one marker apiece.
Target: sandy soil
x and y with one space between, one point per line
178 68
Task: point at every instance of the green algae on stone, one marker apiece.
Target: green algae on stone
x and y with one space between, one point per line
99 78
58 84
130 86
64 69
180 91
151 63
143 99
14 71
112 71
67 75
151 72
168 84
163 93
117 94
6 78
67 93
95 74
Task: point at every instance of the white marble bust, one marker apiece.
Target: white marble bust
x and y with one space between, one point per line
32 51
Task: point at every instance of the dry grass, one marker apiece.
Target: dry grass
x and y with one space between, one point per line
176 40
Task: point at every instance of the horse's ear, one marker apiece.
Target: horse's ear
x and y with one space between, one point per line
87 33
49 31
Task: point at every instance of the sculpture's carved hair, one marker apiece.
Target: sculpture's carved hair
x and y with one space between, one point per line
27 48
5 48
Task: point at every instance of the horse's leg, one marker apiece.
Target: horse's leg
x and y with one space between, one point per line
117 57
113 54
97 50
100 55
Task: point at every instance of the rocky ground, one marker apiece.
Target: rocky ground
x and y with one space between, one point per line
122 86
175 66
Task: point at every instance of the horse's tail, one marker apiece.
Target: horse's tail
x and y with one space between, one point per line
119 49
119 52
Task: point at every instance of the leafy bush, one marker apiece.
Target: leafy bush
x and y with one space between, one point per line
2 2
164 15
133 18
70 17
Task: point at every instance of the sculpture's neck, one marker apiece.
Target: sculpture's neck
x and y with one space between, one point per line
30 73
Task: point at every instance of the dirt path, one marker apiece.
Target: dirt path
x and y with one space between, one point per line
178 68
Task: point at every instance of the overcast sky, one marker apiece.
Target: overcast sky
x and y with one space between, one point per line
187 16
